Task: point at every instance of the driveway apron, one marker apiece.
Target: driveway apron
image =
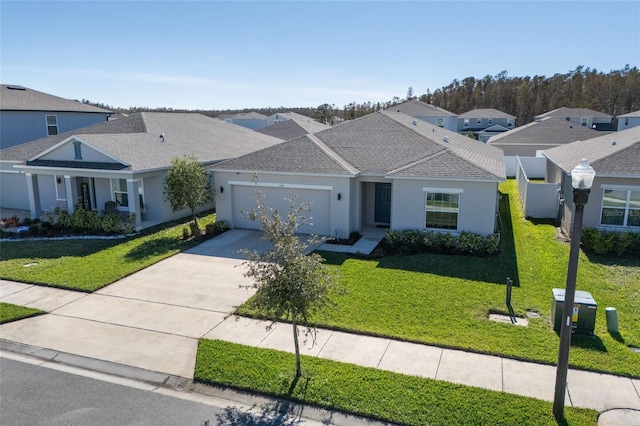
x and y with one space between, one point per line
151 319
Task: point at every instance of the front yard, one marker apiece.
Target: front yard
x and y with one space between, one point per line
446 300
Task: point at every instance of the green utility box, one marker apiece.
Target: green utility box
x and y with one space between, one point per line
584 311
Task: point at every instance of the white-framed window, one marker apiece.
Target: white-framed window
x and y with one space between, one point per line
509 122
479 121
442 207
584 121
490 120
620 207
141 194
52 125
626 121
120 195
466 122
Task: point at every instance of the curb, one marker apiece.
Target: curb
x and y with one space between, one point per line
182 384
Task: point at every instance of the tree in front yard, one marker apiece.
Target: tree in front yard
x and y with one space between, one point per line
290 283
188 185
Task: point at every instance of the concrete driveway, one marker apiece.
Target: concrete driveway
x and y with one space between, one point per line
151 319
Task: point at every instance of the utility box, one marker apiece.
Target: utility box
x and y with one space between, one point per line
583 320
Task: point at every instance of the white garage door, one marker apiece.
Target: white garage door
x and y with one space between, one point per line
277 198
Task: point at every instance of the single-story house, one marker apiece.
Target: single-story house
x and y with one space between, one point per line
477 120
251 120
582 116
614 201
532 139
627 121
293 127
429 113
124 161
386 169
27 115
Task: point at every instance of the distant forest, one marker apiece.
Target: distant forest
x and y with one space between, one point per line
615 93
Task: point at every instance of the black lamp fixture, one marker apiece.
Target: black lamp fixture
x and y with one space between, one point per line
221 189
339 196
581 180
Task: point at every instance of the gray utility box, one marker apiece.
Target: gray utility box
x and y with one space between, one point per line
584 311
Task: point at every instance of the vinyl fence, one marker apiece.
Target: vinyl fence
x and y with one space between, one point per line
539 200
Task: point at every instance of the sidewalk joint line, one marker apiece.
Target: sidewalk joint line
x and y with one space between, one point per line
331 332
635 388
157 303
383 353
435 377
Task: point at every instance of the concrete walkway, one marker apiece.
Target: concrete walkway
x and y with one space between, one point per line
152 320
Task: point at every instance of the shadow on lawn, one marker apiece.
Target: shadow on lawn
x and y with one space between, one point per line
54 249
154 247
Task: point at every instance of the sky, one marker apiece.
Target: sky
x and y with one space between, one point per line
235 55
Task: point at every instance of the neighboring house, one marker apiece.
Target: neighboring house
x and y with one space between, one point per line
477 120
386 169
532 139
250 120
279 117
27 115
584 117
429 113
614 201
489 132
627 121
125 161
293 128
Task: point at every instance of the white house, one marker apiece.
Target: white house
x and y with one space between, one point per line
614 201
386 169
125 161
627 121
430 113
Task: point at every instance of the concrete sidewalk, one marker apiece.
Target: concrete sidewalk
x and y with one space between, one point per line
152 320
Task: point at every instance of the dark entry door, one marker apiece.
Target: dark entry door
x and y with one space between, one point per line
383 203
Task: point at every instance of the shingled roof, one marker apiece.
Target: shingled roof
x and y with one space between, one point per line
615 154
416 108
550 131
382 143
19 98
564 112
136 142
485 113
293 127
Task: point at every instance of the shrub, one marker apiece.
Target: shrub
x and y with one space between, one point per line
608 242
417 241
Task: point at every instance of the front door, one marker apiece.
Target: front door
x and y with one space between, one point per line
383 203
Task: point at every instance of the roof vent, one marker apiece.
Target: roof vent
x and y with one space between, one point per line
570 126
446 139
613 143
161 137
398 110
16 88
415 123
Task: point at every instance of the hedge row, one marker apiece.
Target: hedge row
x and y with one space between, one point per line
416 241
610 242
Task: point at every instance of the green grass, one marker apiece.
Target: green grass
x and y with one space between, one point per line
371 392
445 300
9 312
88 265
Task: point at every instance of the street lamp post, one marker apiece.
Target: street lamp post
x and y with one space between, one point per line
581 181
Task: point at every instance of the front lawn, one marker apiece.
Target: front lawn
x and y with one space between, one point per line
9 312
371 392
90 264
445 300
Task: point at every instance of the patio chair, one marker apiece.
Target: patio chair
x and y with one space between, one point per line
109 207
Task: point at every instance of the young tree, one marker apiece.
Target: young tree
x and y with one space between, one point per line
289 282
188 185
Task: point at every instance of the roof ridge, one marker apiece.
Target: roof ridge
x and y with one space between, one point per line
332 154
422 160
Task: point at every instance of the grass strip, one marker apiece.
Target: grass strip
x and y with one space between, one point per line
88 265
370 392
9 312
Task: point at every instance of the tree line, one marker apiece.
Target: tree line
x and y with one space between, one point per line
616 92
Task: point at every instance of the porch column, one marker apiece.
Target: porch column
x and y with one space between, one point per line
34 195
134 201
70 204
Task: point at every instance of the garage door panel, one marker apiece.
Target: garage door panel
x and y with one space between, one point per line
278 198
